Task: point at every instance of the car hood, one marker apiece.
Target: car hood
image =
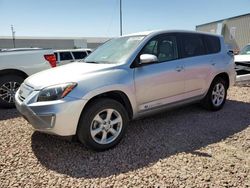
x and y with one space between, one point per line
241 58
68 73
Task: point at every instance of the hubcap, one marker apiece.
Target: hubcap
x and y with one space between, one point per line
106 126
8 91
218 94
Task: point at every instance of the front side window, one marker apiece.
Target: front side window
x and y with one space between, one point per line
115 51
65 56
192 45
151 48
164 47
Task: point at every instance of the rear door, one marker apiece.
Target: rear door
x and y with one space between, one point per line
197 63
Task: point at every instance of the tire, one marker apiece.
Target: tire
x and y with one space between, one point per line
95 124
9 84
216 95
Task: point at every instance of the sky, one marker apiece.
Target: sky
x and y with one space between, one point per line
100 18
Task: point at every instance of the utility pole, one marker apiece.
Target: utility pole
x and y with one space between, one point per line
13 36
120 17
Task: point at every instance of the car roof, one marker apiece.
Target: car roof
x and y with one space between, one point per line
156 32
74 50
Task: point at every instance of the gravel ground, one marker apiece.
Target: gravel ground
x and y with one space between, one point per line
186 147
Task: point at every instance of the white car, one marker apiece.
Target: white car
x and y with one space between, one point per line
242 61
16 65
70 55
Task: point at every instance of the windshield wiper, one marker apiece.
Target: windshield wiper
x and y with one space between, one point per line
91 62
100 62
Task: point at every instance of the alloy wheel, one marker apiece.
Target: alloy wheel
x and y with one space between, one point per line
106 126
218 94
8 91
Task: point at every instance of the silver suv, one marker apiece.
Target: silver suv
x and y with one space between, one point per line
127 78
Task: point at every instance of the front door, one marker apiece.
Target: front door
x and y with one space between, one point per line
161 82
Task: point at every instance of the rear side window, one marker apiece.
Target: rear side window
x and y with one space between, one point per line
192 45
213 44
65 56
79 55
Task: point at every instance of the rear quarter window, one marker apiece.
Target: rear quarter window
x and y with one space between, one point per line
213 44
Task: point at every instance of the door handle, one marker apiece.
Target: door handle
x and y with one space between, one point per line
212 62
179 68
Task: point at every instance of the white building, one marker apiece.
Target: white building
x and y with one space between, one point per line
52 42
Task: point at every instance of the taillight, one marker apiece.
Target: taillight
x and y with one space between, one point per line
51 58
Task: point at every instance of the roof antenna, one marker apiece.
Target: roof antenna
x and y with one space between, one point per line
120 17
13 36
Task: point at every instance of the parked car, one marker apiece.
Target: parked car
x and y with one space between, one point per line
124 79
68 56
242 61
16 65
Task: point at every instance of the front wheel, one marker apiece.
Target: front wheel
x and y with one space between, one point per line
102 124
216 96
9 84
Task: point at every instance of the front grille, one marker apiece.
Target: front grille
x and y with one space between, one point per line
24 92
21 98
246 64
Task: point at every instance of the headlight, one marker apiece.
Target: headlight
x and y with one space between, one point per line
55 92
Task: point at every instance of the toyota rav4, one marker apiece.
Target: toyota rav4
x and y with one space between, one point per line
124 79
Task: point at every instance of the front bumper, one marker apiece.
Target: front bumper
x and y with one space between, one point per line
58 117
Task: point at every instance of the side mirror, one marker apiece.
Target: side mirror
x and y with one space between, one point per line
231 53
148 58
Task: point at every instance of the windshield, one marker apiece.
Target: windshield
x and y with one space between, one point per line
245 50
115 51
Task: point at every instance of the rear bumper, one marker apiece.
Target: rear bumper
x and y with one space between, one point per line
55 117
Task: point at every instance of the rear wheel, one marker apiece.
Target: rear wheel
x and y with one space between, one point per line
102 125
216 96
9 84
